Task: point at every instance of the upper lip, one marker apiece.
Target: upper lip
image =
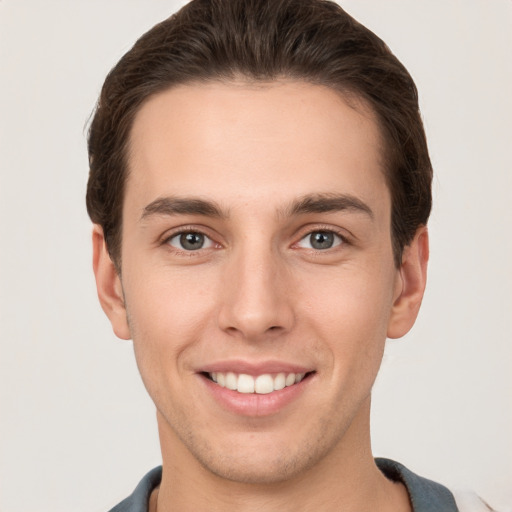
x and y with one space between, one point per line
254 368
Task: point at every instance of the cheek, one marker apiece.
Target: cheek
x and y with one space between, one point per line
167 311
350 309
350 297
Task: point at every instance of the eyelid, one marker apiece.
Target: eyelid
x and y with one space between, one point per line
313 228
304 232
209 243
181 230
338 241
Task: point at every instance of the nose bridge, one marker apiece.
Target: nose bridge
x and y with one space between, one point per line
255 300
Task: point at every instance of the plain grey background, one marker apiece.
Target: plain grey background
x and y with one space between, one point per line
77 430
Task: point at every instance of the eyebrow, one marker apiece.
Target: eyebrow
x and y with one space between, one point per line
326 203
311 203
183 206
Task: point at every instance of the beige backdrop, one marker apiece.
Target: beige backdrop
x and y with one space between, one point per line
77 431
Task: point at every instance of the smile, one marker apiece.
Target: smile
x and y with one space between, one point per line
260 384
256 389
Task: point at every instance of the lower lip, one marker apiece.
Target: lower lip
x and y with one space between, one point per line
254 404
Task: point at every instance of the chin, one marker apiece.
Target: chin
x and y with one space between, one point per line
260 471
256 459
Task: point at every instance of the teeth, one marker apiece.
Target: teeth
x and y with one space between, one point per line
262 384
245 384
231 381
290 379
279 381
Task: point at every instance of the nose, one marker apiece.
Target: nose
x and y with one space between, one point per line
256 299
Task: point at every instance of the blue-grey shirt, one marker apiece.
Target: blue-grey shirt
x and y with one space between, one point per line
425 495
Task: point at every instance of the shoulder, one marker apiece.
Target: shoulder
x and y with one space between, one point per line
138 500
468 501
429 496
425 495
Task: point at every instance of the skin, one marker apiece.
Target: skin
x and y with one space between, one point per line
259 290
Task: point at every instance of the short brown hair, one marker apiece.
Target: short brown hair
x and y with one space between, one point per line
309 40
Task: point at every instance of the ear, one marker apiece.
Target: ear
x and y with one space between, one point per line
108 285
410 286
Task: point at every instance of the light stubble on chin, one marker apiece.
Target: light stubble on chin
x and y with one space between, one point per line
275 467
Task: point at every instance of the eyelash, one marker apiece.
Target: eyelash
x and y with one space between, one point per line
307 231
342 240
194 230
185 231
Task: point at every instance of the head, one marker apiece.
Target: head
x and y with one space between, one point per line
258 41
260 185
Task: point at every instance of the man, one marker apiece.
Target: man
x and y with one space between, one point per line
260 189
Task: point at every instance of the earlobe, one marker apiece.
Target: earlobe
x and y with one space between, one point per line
411 286
108 285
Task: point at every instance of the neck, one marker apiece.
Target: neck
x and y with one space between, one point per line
346 479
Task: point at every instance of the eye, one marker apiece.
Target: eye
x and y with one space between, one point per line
190 241
320 240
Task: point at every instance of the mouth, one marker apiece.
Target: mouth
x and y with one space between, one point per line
259 384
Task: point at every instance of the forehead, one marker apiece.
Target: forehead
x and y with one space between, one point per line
234 141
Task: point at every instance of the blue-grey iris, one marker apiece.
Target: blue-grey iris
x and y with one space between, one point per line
192 241
321 240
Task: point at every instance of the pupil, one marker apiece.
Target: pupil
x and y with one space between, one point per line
322 240
192 241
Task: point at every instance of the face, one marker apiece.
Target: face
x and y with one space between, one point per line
258 281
